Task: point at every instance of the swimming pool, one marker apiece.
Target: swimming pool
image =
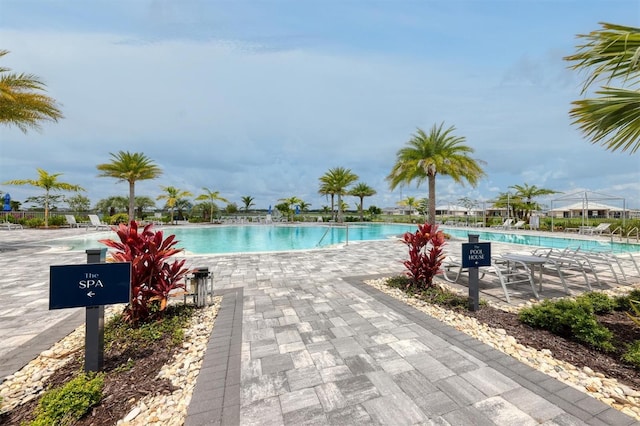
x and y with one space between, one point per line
265 238
546 241
257 238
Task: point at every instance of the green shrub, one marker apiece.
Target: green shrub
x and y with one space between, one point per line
34 222
569 318
57 220
623 302
118 218
601 303
65 405
632 355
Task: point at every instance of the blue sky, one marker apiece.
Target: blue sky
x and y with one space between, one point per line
261 98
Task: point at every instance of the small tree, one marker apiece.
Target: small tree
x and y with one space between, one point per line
152 276
424 262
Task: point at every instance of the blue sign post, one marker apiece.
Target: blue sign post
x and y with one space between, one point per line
92 285
474 255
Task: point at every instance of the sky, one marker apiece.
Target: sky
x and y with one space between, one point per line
262 98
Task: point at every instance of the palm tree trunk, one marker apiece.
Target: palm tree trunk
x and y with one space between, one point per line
361 212
432 199
340 219
132 201
46 209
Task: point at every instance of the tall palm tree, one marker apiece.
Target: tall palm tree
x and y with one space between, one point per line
527 193
362 190
130 167
174 196
427 155
211 197
248 202
612 119
48 182
336 181
327 190
22 102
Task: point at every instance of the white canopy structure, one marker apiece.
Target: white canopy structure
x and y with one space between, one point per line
587 204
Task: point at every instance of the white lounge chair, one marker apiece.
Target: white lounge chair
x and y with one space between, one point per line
71 221
518 225
9 225
510 272
602 228
507 223
97 223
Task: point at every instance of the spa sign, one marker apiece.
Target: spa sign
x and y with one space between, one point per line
73 286
476 254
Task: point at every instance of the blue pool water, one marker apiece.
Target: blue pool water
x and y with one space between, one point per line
546 241
263 238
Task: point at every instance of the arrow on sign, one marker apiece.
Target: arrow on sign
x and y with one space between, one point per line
91 294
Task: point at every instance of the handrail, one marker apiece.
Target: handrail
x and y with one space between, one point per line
615 231
323 235
346 226
635 228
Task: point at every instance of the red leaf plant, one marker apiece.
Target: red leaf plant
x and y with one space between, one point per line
152 276
424 262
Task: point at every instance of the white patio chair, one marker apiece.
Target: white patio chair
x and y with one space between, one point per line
602 228
71 221
505 225
97 223
510 272
518 225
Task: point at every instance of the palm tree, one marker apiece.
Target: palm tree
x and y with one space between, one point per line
113 204
528 193
129 167
362 190
327 190
144 202
290 202
22 103
211 197
409 202
427 155
174 196
48 182
612 119
336 181
248 202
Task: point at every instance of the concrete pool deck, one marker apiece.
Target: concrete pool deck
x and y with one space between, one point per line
300 339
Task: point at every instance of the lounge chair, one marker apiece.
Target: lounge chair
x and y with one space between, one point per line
9 225
602 228
97 223
509 272
518 225
507 223
71 221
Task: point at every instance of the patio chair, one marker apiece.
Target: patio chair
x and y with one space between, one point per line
71 221
9 225
505 225
510 272
602 228
518 225
97 223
